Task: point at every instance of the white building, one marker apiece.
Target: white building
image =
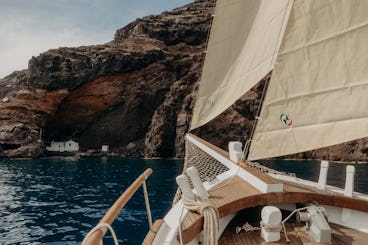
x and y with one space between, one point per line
104 148
68 146
71 145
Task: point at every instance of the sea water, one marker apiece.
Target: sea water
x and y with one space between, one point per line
57 201
309 170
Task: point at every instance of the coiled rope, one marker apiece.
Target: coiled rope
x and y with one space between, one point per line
211 219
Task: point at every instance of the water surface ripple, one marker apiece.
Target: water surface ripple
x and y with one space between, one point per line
57 201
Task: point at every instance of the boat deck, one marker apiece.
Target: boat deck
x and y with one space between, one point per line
296 234
237 194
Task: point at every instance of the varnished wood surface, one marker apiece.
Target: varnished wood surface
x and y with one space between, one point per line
152 233
296 232
225 199
237 194
297 235
262 176
113 212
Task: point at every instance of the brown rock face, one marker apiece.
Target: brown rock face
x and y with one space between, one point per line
126 93
135 94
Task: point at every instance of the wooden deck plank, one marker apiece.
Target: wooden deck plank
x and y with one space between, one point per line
237 194
235 188
296 233
262 176
148 240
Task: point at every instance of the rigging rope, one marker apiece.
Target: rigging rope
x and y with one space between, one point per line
247 228
287 218
256 118
270 227
102 226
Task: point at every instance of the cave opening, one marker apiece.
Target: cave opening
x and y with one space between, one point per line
9 146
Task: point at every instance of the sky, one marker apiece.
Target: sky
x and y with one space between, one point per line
30 27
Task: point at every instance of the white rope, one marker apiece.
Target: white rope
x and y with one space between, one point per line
247 228
287 218
256 118
180 231
271 228
101 227
245 149
148 208
268 170
211 219
267 227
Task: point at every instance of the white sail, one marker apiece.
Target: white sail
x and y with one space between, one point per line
318 93
241 49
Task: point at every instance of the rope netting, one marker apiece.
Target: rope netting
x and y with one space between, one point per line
208 167
268 170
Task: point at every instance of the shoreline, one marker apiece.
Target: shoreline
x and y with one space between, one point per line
79 155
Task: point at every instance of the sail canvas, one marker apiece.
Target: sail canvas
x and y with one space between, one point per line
241 49
318 93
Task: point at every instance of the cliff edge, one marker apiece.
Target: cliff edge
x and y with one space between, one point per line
135 94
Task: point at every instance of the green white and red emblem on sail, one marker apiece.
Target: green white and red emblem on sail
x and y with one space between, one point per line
286 119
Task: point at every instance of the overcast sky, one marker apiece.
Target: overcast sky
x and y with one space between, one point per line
29 27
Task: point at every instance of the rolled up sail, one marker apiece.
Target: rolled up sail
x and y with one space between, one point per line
318 93
241 49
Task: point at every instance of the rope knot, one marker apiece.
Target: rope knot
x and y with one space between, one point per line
205 205
211 219
271 228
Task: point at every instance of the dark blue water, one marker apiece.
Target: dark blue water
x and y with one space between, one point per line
57 201
309 170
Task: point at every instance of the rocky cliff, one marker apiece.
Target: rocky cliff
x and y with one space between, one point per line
127 93
135 93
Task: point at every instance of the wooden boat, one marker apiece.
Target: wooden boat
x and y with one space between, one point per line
315 97
242 190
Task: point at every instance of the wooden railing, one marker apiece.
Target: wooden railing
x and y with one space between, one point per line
95 237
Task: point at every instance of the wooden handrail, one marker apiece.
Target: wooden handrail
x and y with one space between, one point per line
113 212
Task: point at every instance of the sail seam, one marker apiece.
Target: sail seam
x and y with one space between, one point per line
333 36
263 63
314 125
282 30
363 83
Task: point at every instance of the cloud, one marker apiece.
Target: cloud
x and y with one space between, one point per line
28 28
